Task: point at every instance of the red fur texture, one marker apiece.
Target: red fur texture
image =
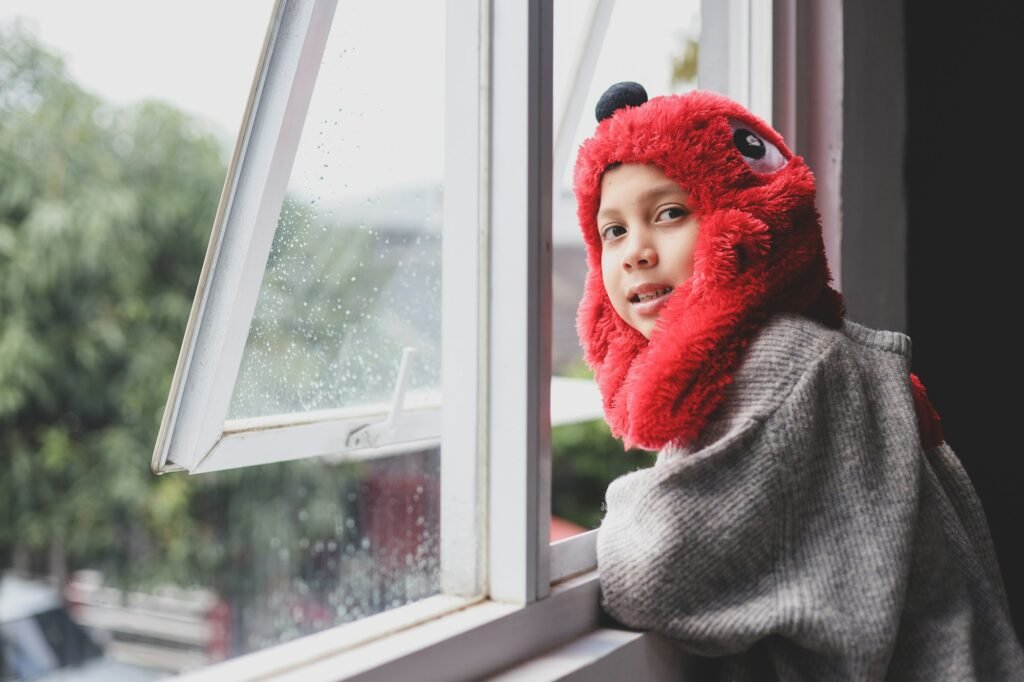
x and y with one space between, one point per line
759 251
928 422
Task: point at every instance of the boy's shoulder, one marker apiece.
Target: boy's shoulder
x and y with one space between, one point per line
879 340
791 347
794 342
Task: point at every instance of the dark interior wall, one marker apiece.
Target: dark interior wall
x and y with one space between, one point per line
965 182
874 233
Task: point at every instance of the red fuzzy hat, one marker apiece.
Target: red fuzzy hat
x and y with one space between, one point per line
759 251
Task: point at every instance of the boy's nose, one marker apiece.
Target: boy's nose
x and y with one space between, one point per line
639 255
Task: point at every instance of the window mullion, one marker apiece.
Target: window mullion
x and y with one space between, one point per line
463 313
519 347
736 52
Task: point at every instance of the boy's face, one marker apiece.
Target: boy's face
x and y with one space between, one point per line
648 233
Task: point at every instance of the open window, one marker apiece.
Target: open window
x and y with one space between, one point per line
316 326
377 294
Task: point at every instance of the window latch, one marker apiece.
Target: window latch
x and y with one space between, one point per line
370 435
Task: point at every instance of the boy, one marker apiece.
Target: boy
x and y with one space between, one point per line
804 519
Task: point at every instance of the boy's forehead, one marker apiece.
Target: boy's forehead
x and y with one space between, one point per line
636 181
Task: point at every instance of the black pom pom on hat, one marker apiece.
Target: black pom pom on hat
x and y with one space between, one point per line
618 96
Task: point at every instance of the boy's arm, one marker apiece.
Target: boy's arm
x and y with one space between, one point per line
797 524
690 548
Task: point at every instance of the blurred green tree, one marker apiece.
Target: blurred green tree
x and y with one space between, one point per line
104 218
685 62
585 459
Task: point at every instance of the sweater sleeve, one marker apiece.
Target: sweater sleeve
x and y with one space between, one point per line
796 523
690 548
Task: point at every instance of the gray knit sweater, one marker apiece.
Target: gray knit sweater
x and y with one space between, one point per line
809 536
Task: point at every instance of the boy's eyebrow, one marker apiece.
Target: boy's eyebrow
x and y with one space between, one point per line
652 194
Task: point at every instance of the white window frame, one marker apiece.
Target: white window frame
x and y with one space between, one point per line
737 52
502 581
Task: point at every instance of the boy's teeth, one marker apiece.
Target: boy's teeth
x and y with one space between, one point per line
640 298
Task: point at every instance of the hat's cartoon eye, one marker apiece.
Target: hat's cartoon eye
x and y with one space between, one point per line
760 154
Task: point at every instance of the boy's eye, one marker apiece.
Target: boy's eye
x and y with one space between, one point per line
613 231
760 154
671 213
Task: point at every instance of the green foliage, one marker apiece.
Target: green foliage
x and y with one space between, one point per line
104 217
684 65
585 459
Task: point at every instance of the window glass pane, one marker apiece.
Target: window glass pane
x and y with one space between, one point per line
310 544
354 274
273 553
652 42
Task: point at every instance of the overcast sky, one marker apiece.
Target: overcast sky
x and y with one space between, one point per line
199 55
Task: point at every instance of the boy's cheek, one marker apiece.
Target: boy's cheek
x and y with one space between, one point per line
610 286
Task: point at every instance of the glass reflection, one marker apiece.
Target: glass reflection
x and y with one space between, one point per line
305 545
354 273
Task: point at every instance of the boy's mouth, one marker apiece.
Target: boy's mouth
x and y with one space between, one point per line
650 295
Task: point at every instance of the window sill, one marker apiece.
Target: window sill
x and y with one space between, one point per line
448 638
606 654
443 638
